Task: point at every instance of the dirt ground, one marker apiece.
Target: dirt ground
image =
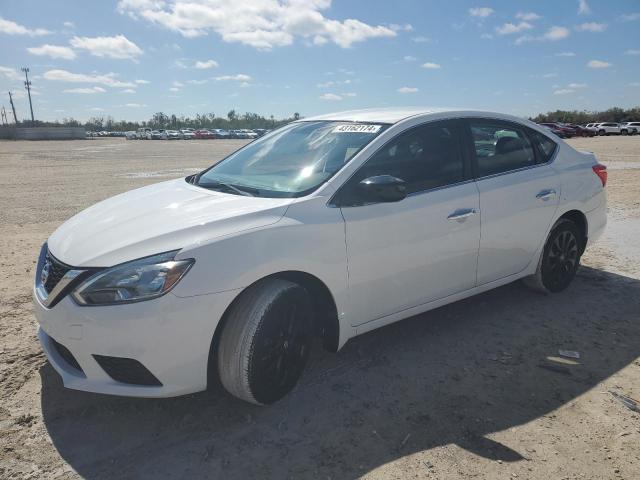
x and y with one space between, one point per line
459 392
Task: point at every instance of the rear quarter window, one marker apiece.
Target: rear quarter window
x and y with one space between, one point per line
544 145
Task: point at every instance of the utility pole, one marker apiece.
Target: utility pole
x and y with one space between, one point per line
13 107
27 85
4 116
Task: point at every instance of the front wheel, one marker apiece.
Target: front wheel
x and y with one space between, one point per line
560 258
266 341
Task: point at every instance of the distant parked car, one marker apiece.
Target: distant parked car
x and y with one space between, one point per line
250 133
609 128
630 128
558 130
159 135
592 127
582 131
203 134
144 133
131 135
220 133
260 131
174 135
187 134
243 134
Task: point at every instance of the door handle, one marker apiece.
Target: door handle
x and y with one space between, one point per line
546 194
462 213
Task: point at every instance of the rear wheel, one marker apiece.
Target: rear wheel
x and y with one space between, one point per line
560 258
266 341
602 133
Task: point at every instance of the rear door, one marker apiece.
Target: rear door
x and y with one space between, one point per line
519 194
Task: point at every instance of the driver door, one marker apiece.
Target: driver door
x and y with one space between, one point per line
424 247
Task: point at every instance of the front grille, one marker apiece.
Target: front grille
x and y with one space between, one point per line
127 370
66 355
57 270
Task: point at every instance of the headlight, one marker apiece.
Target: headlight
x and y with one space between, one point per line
135 281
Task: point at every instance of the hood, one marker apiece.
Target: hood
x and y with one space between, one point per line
158 218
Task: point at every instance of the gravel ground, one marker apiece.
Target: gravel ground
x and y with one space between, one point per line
459 392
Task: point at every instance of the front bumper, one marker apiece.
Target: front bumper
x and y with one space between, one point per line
170 336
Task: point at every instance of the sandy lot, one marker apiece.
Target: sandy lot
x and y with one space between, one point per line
458 392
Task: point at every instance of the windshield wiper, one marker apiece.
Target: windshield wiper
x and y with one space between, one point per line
228 186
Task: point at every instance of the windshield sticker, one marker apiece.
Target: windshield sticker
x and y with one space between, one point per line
357 128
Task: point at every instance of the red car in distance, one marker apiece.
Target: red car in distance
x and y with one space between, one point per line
204 134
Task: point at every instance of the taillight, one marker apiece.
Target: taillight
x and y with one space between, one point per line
601 171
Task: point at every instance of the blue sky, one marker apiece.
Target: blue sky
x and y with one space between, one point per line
131 58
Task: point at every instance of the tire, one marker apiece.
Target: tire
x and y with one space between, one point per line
265 341
602 133
624 132
560 259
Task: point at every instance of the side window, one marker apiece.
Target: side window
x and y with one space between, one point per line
500 147
424 157
546 146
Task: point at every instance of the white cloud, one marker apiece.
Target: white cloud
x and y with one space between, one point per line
409 58
598 64
431 66
118 47
53 51
240 77
592 27
10 73
174 89
86 91
632 52
204 65
69 25
421 39
510 28
349 94
128 90
565 54
556 33
408 90
563 91
96 109
630 17
577 85
480 12
142 82
330 97
583 7
66 76
528 16
407 27
13 28
197 82
263 25
134 105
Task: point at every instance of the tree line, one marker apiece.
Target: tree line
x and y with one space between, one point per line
615 114
160 120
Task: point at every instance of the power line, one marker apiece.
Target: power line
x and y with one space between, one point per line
27 85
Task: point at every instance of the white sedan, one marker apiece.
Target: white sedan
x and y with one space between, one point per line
327 227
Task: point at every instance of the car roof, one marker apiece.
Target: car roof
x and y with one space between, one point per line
397 114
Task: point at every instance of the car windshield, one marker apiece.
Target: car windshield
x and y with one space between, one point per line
293 160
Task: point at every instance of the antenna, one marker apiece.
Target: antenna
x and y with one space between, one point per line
15 118
27 85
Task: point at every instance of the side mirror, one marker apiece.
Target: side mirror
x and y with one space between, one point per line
382 188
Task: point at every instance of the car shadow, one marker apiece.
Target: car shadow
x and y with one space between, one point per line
451 376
